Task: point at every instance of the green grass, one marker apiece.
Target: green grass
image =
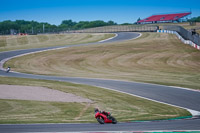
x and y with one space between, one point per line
124 107
19 111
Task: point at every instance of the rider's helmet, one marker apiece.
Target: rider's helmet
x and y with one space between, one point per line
96 110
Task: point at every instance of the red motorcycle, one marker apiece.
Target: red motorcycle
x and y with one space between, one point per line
105 117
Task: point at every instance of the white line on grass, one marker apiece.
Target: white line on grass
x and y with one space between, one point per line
109 38
193 112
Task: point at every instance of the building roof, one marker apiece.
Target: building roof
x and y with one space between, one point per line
165 17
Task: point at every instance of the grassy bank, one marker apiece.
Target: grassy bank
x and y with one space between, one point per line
153 58
124 107
47 40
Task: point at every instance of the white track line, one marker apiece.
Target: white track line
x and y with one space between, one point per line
193 112
145 131
109 38
6 59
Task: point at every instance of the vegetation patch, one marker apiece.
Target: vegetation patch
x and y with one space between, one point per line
2 41
43 38
22 40
124 107
20 111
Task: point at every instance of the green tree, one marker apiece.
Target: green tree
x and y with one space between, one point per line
111 23
36 27
138 19
194 19
67 24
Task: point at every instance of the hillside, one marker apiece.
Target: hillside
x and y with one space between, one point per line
47 40
153 58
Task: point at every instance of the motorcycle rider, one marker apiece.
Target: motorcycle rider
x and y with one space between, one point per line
103 112
96 110
104 117
106 113
8 70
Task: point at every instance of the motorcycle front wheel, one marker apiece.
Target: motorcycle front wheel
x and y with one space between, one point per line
114 121
100 120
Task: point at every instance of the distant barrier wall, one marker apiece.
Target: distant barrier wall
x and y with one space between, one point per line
181 38
117 28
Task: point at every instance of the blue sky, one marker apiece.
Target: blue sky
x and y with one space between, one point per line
120 11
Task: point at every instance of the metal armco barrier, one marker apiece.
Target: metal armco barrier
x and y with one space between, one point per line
181 38
187 35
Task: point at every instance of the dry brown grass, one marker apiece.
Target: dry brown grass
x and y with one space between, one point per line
47 40
154 58
185 25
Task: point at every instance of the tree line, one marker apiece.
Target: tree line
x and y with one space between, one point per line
34 27
194 19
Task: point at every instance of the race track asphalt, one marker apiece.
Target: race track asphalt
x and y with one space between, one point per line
184 98
192 124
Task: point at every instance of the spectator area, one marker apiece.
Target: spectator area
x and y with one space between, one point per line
164 18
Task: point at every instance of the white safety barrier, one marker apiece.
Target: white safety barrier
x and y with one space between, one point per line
180 37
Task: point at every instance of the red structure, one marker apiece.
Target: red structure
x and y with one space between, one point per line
164 18
22 34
